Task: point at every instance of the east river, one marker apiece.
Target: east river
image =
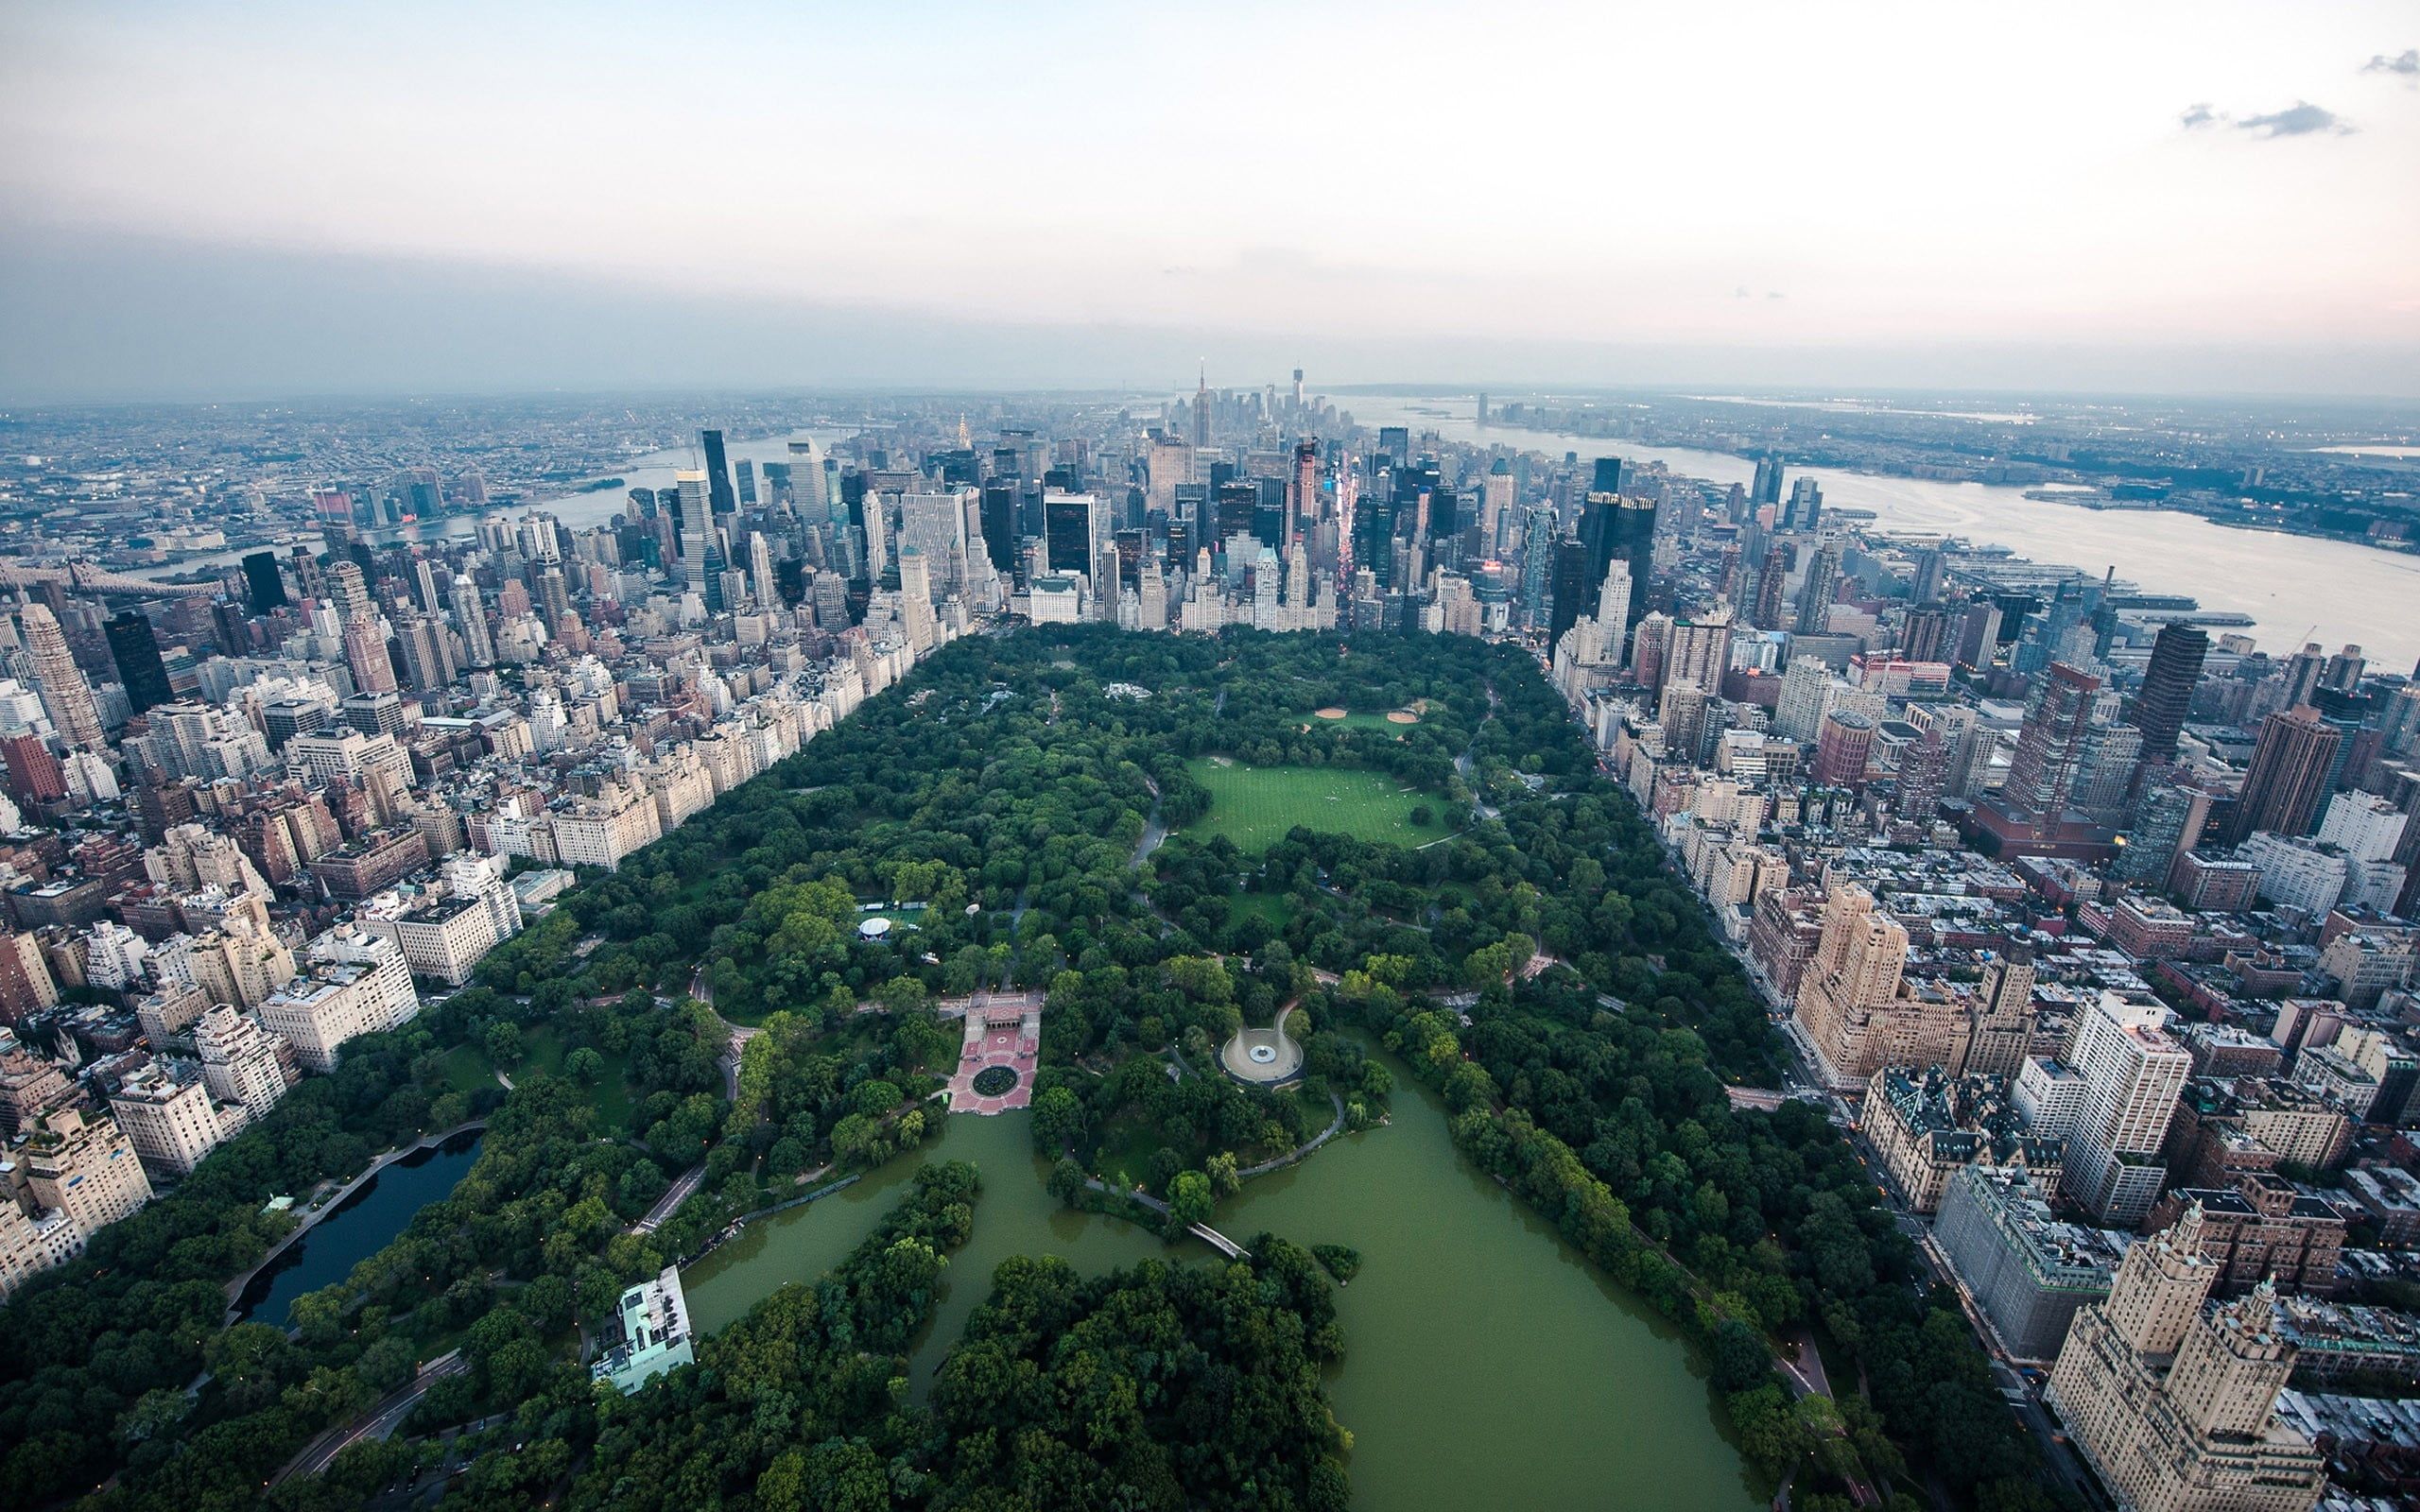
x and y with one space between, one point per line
2296 588
1486 1363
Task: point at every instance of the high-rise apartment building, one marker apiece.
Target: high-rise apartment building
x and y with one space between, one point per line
87 1170
67 696
169 1118
2133 1072
2050 745
2174 1405
2168 683
243 1063
1853 976
2287 779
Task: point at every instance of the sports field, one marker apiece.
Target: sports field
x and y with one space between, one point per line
1255 806
1387 721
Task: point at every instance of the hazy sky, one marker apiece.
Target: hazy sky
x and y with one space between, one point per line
2203 194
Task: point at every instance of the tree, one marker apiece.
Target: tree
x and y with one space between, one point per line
586 1066
1189 1199
1058 1119
1740 1359
502 1043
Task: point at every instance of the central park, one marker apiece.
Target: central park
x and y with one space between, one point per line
1506 1241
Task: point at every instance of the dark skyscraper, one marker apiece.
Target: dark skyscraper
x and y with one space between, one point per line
1570 591
1609 476
717 474
2050 745
137 652
1067 533
263 588
2287 779
2168 689
1612 528
1000 524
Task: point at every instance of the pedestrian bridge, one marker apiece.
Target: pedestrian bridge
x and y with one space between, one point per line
1219 1242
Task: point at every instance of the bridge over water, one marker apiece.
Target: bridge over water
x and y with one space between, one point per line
84 577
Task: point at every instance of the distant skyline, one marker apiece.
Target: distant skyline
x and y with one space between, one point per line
282 199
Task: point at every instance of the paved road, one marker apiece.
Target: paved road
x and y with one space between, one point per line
674 1195
380 1423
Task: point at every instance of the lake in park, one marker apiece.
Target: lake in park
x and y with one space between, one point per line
1487 1363
362 1225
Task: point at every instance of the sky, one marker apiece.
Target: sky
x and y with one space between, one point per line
205 201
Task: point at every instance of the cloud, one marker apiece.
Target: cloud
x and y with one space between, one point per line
2302 119
2196 114
2406 63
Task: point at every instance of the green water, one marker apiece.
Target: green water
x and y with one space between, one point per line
1487 1364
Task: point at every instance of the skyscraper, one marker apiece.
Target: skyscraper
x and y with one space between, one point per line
717 474
1815 595
2133 1070
2287 778
473 622
65 693
696 524
263 588
2168 688
365 644
137 653
2050 745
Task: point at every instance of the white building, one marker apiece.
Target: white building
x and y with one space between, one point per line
243 1063
169 1118
358 985
445 935
2362 825
2133 1072
31 1242
2296 872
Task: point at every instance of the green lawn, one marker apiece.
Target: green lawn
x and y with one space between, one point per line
1275 907
1255 806
1358 719
467 1069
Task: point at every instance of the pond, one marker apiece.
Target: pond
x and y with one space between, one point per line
1487 1363
361 1226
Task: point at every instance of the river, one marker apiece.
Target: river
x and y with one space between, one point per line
1487 1363
577 510
362 1225
2294 588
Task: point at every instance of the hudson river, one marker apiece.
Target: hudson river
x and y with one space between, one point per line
2337 591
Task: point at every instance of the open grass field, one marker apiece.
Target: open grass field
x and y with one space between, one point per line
468 1068
1358 719
1255 806
1274 907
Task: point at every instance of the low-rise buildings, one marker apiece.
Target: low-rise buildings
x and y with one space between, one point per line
646 1334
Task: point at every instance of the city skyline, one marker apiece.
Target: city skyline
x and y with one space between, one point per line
499 202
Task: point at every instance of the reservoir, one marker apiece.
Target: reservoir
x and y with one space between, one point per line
361 1226
2296 588
1487 1363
